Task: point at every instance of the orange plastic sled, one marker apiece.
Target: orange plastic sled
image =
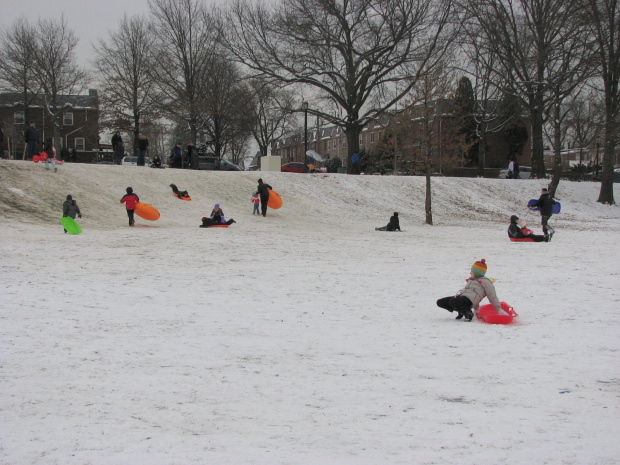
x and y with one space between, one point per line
182 198
521 239
275 201
488 314
216 226
146 211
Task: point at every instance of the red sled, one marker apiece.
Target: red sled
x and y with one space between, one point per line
43 156
488 314
522 239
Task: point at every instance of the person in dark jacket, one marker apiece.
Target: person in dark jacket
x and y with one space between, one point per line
179 193
263 191
156 162
143 145
545 203
118 147
31 137
393 225
175 156
70 208
130 200
515 231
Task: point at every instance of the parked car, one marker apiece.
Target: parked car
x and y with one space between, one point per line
524 172
593 177
209 162
132 160
298 167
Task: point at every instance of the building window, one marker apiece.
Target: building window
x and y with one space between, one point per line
335 143
344 143
80 144
67 119
18 118
372 137
361 139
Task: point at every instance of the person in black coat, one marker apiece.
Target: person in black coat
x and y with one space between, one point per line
263 191
31 137
143 145
393 225
545 203
118 147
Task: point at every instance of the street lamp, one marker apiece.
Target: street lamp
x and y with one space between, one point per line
304 107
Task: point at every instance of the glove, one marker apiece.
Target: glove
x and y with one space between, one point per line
80 216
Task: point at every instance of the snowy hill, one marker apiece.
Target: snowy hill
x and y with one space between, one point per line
32 195
305 337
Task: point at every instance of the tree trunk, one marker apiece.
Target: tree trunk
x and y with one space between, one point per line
482 143
136 132
427 204
607 185
557 140
353 143
538 148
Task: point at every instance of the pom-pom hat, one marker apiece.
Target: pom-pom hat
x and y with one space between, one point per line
479 268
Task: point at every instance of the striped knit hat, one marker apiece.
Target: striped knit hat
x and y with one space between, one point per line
479 268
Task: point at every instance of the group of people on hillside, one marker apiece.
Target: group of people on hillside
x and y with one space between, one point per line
465 302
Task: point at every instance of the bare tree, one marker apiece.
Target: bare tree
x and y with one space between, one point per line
528 38
186 44
273 116
584 123
494 110
603 19
17 46
227 119
357 56
123 64
56 68
426 131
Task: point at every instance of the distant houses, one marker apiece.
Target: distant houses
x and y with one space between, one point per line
78 129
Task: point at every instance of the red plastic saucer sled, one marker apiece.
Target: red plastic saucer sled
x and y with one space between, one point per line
488 314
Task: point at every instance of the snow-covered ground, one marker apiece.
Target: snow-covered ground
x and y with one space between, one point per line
305 337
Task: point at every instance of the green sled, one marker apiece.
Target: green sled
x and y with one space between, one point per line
70 225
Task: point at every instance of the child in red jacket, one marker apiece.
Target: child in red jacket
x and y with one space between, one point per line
130 200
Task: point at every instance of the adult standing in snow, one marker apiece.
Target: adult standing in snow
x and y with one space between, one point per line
143 145
130 200
545 203
176 156
31 138
118 147
263 191
477 288
70 208
511 169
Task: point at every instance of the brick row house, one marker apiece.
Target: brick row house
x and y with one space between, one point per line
78 130
331 142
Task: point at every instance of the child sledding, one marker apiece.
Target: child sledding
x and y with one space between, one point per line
183 195
477 288
216 219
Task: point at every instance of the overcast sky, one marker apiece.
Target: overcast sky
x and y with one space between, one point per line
89 19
